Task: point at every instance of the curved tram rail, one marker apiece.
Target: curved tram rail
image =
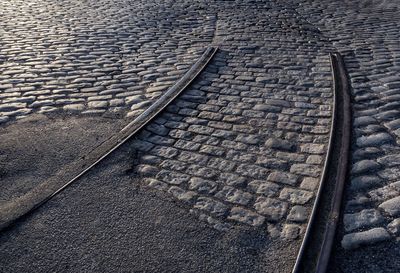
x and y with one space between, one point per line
315 251
72 172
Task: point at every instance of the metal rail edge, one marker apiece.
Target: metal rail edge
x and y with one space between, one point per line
342 89
32 200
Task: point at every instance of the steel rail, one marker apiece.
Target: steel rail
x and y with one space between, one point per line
341 88
29 202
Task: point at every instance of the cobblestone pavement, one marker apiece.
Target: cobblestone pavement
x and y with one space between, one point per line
366 32
95 57
244 146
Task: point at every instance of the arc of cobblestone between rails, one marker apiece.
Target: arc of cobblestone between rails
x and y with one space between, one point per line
29 202
341 88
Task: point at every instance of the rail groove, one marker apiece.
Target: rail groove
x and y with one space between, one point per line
315 250
29 202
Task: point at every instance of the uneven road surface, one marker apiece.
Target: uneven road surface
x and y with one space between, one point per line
225 178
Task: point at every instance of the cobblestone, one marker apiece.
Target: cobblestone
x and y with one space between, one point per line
264 188
305 169
233 195
214 207
374 140
365 218
182 195
246 216
391 206
354 240
273 209
280 144
284 178
298 214
394 227
296 196
154 183
365 182
290 231
202 185
365 166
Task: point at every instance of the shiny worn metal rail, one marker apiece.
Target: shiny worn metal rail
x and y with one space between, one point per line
27 203
315 251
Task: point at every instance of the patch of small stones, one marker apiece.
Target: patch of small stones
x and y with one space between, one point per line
246 143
